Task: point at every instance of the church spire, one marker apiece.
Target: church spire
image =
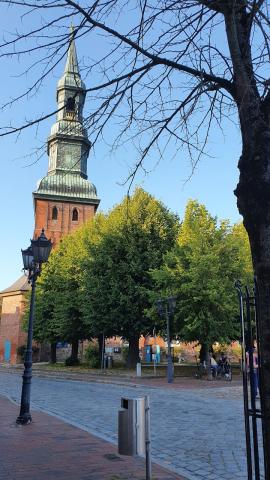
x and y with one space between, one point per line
72 66
68 144
71 77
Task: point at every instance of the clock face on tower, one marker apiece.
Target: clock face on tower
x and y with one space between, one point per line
69 156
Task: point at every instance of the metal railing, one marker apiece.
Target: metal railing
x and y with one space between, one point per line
249 309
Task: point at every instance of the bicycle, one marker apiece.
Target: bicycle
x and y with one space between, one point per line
224 371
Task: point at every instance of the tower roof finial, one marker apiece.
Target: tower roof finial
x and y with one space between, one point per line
71 76
72 60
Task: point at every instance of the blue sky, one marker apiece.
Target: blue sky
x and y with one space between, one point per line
212 183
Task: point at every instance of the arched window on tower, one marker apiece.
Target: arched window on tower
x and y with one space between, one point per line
75 215
54 213
70 106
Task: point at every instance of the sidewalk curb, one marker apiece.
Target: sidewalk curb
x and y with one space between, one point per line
76 378
73 376
125 381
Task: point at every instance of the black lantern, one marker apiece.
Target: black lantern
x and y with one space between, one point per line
171 304
28 260
41 248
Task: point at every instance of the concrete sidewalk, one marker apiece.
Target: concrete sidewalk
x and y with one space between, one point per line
49 449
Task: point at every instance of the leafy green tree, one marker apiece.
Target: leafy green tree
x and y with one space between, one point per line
45 329
201 270
67 309
122 248
58 302
239 238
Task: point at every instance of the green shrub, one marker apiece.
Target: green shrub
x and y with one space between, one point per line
22 349
118 363
71 362
91 356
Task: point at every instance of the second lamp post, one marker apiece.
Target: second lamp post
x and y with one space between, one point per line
165 308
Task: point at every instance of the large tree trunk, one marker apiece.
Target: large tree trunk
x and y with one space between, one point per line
133 352
53 358
253 193
204 352
74 350
101 347
205 358
253 190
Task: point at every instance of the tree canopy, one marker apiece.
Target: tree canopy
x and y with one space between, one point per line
200 271
117 277
104 278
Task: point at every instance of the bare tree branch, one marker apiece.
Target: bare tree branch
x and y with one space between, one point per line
222 82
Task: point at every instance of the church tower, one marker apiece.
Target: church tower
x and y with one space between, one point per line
65 199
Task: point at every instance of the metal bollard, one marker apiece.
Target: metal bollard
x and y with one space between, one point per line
139 369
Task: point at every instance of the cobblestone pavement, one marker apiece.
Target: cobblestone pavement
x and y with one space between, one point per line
196 433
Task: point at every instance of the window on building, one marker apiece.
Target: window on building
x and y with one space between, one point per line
54 213
75 215
70 104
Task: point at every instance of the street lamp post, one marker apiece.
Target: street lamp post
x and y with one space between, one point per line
155 345
33 257
165 308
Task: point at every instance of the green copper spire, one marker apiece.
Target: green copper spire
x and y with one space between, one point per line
68 144
71 76
72 66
